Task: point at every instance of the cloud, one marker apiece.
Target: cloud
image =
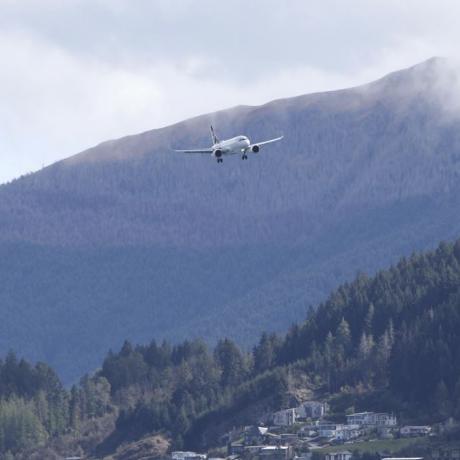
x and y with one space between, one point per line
78 72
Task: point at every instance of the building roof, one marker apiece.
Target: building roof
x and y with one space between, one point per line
403 458
416 426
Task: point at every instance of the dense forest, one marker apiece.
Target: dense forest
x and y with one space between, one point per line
154 244
391 342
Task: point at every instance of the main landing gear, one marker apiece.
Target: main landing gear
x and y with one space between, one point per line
220 160
244 157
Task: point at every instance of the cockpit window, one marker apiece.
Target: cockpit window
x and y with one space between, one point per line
242 138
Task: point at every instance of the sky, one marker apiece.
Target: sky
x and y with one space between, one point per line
75 73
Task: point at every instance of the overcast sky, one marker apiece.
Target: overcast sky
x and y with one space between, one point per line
74 73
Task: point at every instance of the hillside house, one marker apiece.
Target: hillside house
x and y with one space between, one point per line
445 454
415 430
286 417
304 456
235 449
338 431
276 453
312 409
345 455
327 430
255 435
372 419
181 455
385 432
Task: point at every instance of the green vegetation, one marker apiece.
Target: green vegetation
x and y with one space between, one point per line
127 241
390 343
376 446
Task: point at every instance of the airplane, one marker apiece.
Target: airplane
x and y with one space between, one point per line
239 145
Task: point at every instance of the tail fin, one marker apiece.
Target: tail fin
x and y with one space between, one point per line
215 140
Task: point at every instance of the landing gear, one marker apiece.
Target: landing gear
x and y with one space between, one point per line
220 160
244 157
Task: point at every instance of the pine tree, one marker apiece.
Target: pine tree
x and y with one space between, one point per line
441 400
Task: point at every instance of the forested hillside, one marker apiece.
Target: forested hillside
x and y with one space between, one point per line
130 240
389 342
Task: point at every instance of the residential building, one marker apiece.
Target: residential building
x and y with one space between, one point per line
286 417
338 431
348 432
289 438
415 430
180 455
304 456
359 418
345 455
445 454
276 453
384 419
235 449
254 435
372 419
312 409
327 430
402 458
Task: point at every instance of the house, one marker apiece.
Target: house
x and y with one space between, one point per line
402 458
286 417
338 431
304 456
385 432
445 454
360 418
345 455
312 409
254 435
415 430
384 419
372 419
180 455
289 438
327 430
235 449
348 432
276 453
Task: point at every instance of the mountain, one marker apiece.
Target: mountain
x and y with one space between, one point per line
130 240
387 343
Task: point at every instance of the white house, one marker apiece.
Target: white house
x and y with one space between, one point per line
286 417
338 431
347 432
181 455
372 419
345 455
359 418
384 419
327 430
415 430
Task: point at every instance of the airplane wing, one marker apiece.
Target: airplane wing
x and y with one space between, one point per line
195 151
265 142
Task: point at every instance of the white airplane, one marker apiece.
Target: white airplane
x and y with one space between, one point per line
239 145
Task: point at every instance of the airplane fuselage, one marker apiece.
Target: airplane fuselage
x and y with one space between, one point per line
234 146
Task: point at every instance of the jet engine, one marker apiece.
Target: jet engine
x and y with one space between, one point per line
255 148
217 153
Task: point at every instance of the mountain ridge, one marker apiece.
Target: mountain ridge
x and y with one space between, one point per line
150 243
